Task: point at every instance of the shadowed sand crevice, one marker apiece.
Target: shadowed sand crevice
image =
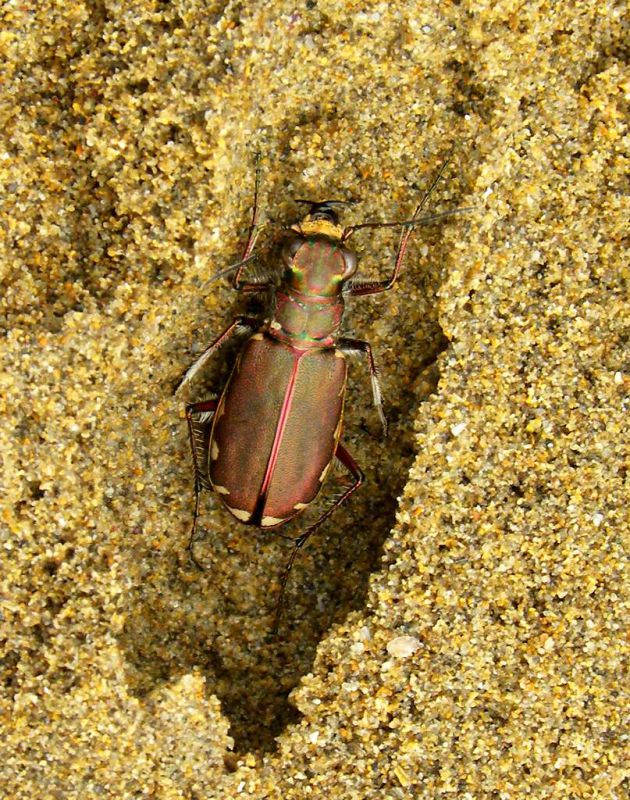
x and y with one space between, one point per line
220 620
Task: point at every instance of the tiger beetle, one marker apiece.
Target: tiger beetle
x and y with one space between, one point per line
267 443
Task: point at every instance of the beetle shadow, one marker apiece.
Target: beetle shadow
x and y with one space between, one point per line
219 619
224 615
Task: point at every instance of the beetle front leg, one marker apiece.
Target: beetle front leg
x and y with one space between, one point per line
252 233
199 418
361 346
252 236
247 323
362 288
353 468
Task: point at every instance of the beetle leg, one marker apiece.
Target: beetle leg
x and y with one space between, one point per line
239 323
362 288
199 418
353 468
359 345
248 287
252 234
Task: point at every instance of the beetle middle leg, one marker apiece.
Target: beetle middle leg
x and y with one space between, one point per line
353 468
239 324
361 346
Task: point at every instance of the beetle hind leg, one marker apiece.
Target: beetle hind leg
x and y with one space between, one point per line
358 478
199 418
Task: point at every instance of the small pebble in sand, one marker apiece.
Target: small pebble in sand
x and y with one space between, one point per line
403 646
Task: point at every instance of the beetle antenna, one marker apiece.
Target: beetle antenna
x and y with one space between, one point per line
434 183
415 220
409 223
228 270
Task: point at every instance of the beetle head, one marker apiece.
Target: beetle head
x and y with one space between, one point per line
324 211
315 259
322 218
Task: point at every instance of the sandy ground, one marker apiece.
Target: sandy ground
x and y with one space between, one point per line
492 528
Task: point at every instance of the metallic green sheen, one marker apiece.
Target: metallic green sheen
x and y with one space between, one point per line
309 304
305 320
318 267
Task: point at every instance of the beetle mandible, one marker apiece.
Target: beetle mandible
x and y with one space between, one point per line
266 444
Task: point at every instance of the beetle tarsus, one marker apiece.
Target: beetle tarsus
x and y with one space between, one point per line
193 531
361 346
254 228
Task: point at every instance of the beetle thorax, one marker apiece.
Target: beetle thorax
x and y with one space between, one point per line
306 320
309 301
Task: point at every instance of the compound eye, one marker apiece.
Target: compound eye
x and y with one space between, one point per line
290 248
351 263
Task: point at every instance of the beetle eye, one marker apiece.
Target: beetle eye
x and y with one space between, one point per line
326 213
290 248
351 263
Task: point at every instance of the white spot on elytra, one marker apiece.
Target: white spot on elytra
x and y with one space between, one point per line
244 516
267 522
